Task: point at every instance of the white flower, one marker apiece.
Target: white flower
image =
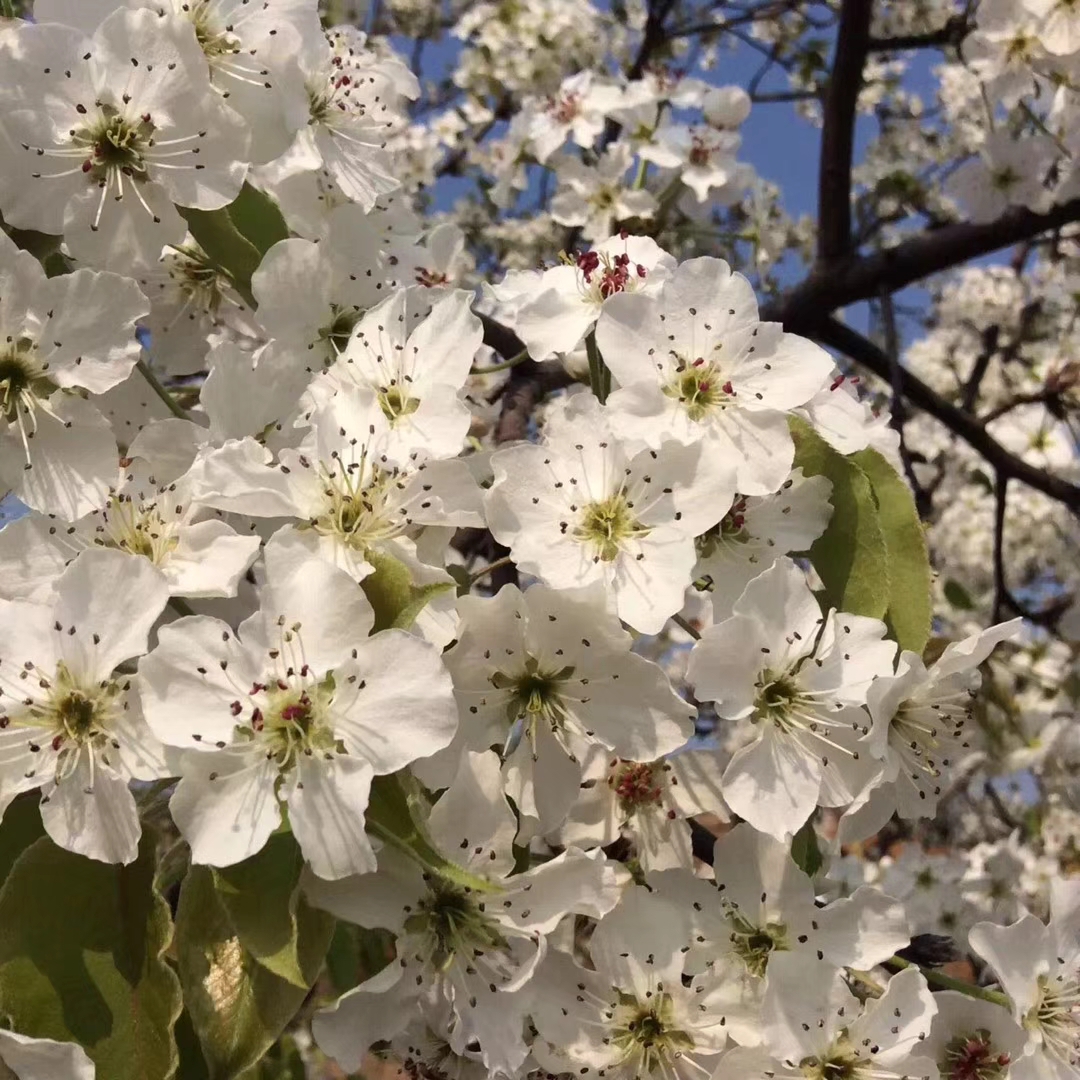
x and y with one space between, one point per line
465 957
597 196
68 723
1007 172
1039 969
43 1059
794 674
814 1028
582 508
113 130
649 802
555 309
694 363
578 110
352 108
311 296
341 485
920 730
632 1015
547 674
762 906
162 522
973 1039
415 356
757 531
300 706
59 337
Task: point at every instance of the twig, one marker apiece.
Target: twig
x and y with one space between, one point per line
504 366
936 978
170 402
491 567
679 621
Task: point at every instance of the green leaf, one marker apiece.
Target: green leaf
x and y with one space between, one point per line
910 601
238 1007
270 916
356 954
393 595
850 556
81 946
258 218
20 827
958 596
805 851
226 247
393 814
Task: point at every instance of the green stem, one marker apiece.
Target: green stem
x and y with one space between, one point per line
160 390
936 978
7 9
504 366
599 376
181 607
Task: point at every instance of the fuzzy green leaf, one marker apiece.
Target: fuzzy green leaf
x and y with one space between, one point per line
910 602
238 1007
805 851
226 247
393 595
258 218
273 921
850 556
81 946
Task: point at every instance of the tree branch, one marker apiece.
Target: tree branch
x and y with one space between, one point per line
829 331
838 131
951 34
856 279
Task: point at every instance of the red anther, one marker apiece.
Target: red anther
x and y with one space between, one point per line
698 362
146 118
305 671
703 386
622 260
623 234
282 684
838 382
256 688
236 708
728 388
257 722
57 741
855 380
87 165
641 271
671 815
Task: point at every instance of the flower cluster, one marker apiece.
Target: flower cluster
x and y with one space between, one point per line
613 718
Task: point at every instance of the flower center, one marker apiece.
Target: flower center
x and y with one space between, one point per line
635 785
290 715
357 514
1056 1015
450 923
776 699
699 388
200 285
395 403
603 275
973 1057
214 40
647 1034
116 143
755 944
23 381
841 1063
607 526
137 528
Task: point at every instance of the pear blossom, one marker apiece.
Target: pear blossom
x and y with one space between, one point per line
414 351
920 730
694 364
544 676
813 1026
60 338
597 196
757 531
798 677
633 1013
199 554
298 706
648 802
113 130
553 310
577 111
43 1059
466 954
1039 968
973 1038
583 508
70 724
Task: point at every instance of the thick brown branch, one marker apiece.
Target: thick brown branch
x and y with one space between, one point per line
852 280
838 131
836 335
